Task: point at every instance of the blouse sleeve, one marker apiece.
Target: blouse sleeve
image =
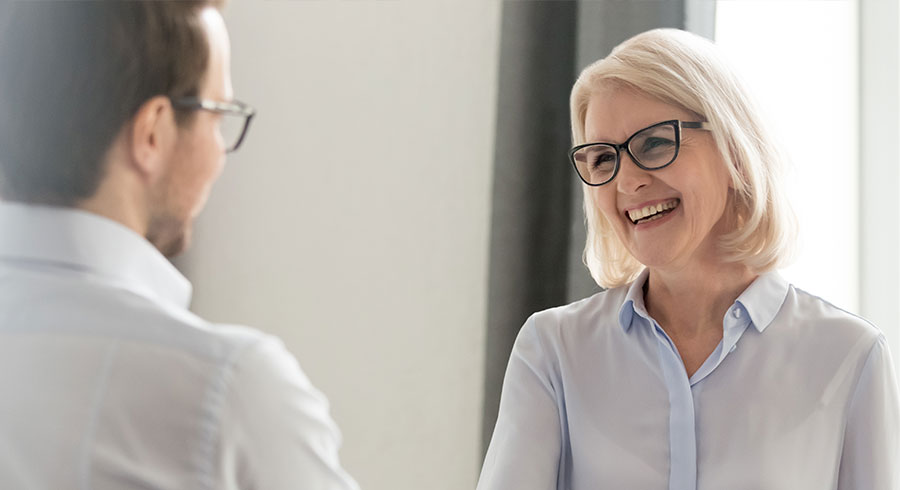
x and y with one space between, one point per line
524 452
871 452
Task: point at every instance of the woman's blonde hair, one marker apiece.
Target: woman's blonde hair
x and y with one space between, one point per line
689 72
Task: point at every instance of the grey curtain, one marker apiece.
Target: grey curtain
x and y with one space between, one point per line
537 223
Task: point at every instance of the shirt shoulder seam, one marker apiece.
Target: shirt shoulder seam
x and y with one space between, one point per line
878 332
213 406
86 464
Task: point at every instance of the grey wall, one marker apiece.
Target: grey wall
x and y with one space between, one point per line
354 222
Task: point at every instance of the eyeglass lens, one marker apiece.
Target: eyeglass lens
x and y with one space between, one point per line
652 148
231 127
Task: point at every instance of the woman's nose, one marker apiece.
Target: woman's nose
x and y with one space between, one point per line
631 178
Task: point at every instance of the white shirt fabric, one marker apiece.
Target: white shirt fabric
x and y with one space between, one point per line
107 381
798 395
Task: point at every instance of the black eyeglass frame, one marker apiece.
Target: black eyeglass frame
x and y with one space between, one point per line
235 108
675 123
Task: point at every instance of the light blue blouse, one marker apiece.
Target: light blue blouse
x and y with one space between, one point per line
798 395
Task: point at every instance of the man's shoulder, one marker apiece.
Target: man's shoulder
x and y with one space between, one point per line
169 327
95 311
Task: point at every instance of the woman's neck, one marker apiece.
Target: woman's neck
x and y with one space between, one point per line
692 301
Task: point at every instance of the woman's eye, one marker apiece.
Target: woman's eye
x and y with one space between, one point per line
603 161
656 144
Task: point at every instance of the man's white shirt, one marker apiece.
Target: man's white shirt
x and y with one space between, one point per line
107 381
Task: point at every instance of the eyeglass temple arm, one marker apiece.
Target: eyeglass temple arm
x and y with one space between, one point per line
696 125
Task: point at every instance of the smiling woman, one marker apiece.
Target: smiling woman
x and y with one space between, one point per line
698 192
700 367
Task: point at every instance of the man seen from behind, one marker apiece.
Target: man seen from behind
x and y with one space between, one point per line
115 118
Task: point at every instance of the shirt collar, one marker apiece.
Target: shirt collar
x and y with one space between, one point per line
80 240
634 301
762 299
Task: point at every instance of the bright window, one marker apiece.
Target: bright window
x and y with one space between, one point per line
799 59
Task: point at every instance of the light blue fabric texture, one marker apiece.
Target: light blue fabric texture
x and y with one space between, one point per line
798 395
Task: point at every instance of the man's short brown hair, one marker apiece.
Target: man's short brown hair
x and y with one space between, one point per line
73 73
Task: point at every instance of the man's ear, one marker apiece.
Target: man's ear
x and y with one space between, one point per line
152 136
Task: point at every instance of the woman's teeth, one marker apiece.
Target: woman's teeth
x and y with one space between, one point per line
649 213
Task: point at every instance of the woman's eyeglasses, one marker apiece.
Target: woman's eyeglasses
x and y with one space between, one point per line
651 148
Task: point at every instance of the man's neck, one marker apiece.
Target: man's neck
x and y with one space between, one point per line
119 198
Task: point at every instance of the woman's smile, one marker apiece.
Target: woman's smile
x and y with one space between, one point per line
652 211
681 204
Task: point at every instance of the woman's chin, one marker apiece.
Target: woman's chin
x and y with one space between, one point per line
654 253
654 261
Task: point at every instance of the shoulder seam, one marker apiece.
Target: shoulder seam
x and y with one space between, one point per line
212 408
86 464
832 305
879 339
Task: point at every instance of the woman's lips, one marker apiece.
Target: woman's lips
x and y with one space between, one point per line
652 211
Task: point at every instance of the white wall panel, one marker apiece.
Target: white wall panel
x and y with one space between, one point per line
354 222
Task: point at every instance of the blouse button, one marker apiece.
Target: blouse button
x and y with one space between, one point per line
736 312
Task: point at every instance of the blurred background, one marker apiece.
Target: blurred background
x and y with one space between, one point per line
404 201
